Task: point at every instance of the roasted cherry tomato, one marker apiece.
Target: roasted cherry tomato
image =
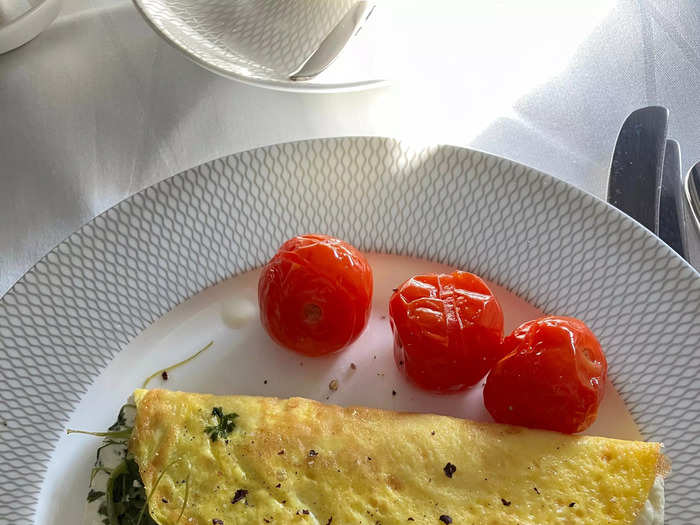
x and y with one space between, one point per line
447 330
315 294
552 376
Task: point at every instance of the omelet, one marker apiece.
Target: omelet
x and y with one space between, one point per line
229 460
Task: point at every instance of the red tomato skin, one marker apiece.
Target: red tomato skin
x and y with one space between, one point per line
552 376
315 294
447 330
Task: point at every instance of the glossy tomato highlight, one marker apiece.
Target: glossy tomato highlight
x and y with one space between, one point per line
552 376
315 294
447 330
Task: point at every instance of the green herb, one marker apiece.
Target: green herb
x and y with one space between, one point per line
126 502
187 496
224 425
94 495
125 496
108 443
118 431
120 423
116 434
176 365
96 470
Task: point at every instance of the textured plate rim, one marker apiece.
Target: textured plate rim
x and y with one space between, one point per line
549 179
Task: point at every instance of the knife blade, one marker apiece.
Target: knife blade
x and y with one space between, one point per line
335 41
634 186
671 217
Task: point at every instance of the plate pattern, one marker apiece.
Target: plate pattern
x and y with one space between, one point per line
264 39
559 248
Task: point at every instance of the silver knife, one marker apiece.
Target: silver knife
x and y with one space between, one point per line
335 41
634 186
671 217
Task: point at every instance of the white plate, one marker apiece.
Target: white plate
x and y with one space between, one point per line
563 251
262 42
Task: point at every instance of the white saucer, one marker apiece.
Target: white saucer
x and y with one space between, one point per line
19 30
262 42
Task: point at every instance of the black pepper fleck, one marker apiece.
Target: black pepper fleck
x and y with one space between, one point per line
445 519
239 495
505 502
393 392
572 504
449 469
266 520
535 489
330 520
354 367
394 289
217 522
411 519
280 452
164 375
432 433
400 363
313 453
278 485
163 500
265 382
369 458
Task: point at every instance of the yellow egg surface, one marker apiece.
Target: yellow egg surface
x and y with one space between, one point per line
299 461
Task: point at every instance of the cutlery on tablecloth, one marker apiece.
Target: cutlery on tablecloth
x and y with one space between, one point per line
646 181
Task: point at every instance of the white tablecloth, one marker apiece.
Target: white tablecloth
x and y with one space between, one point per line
98 106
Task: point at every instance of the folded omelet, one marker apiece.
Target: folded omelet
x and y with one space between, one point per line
232 460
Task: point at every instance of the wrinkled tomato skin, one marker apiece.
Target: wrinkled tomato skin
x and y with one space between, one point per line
447 330
315 294
552 376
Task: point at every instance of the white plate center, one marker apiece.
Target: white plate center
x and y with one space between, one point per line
243 360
